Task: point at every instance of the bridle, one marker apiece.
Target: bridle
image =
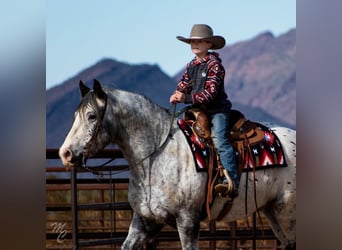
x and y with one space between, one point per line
94 135
99 126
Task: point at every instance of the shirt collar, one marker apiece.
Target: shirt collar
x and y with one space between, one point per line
209 56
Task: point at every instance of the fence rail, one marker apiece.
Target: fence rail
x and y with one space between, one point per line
93 213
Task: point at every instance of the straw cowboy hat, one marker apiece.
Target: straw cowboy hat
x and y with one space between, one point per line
204 32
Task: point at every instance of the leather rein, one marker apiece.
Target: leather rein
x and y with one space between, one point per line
99 126
169 135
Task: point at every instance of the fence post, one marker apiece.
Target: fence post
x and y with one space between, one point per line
151 246
254 231
232 229
212 229
74 206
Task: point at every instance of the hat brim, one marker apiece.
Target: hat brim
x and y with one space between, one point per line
218 41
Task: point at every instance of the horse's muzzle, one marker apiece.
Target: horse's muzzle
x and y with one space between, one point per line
69 159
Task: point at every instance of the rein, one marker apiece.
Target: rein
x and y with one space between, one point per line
95 172
156 150
174 115
99 127
169 135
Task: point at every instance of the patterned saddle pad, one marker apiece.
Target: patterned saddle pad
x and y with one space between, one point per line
266 153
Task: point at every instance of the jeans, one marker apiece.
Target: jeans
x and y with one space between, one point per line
220 122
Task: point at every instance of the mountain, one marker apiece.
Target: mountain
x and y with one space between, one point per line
260 81
63 99
261 73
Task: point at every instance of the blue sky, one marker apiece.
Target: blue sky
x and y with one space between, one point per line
81 32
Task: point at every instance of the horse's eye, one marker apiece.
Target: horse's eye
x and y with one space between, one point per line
91 117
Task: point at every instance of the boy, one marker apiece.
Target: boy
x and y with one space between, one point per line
202 84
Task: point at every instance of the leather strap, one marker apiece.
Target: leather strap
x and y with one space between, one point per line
211 181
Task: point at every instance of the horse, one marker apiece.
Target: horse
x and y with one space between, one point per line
164 186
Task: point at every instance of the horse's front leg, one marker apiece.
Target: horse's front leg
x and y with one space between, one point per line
140 232
188 226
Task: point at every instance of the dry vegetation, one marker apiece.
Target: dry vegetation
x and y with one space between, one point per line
108 221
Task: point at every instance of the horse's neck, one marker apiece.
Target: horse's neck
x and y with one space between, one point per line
144 126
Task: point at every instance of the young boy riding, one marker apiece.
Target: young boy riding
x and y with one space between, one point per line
202 85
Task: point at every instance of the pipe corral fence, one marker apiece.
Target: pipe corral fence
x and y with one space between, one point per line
87 208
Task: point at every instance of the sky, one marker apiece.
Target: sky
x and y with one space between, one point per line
80 33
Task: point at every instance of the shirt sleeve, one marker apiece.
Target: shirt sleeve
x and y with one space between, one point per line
183 86
215 77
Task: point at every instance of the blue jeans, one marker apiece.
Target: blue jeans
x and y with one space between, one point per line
220 122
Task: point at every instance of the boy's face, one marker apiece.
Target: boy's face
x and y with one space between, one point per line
200 47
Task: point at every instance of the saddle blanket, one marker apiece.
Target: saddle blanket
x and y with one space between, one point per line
267 153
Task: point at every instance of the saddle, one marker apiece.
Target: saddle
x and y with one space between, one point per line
241 133
201 125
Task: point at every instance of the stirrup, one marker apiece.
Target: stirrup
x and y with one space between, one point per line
227 189
223 190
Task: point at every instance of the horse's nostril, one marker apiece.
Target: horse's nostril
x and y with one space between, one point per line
66 154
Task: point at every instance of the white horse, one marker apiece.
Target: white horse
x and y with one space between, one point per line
164 186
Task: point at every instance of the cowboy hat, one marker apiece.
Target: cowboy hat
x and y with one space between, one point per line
204 32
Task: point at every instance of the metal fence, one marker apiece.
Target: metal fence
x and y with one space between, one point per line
87 208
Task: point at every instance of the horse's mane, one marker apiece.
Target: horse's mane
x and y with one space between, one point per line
87 100
138 96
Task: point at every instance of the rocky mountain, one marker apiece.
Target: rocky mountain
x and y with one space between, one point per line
260 81
63 99
261 73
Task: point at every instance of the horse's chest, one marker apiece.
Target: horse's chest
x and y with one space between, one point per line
153 210
149 203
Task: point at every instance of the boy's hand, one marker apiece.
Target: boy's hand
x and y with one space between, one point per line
177 97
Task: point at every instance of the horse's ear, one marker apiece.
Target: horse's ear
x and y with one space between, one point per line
98 90
84 89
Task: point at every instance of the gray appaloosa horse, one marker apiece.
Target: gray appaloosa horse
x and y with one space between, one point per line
164 186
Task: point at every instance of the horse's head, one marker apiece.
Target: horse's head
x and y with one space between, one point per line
87 134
